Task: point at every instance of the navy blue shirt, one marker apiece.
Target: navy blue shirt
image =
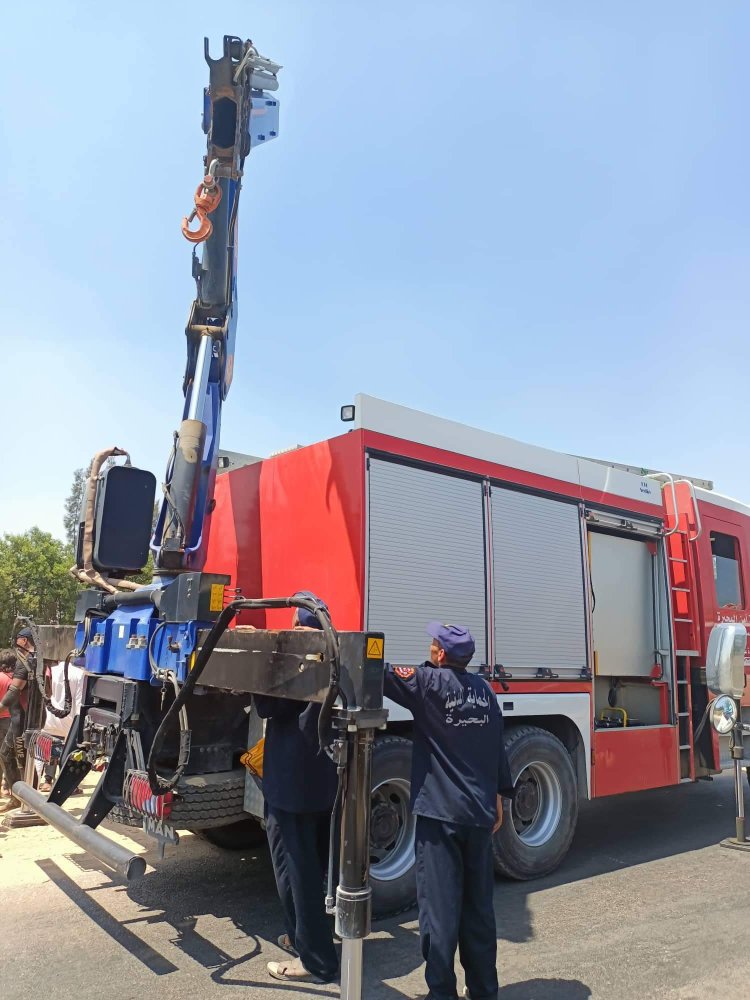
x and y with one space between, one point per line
459 764
297 776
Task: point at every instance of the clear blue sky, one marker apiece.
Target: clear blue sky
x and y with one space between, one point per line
530 216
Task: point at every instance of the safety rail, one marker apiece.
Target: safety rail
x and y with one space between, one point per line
667 479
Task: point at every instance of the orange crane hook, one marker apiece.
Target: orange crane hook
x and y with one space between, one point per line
207 197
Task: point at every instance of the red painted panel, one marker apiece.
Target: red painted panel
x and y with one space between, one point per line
295 522
312 524
234 534
630 760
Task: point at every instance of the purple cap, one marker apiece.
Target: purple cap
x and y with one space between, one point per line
305 617
456 640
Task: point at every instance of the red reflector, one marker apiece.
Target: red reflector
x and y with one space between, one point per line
137 793
43 748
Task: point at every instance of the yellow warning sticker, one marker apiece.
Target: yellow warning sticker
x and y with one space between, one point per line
374 648
217 597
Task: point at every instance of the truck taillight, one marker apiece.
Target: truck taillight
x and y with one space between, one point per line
137 793
43 748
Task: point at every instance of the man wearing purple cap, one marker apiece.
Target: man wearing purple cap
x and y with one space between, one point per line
459 775
299 787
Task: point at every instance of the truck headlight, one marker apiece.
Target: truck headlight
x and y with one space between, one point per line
724 714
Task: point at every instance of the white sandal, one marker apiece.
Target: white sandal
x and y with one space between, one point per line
292 972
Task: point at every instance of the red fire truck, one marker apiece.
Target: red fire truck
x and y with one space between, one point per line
590 587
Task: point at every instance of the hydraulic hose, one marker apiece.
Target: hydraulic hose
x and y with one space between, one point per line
74 654
160 784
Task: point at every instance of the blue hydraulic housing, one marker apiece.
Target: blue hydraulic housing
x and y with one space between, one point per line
133 643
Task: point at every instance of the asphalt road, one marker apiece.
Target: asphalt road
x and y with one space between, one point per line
646 905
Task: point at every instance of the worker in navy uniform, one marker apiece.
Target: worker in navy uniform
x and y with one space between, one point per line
459 775
299 786
14 699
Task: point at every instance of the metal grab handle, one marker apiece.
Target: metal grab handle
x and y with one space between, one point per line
658 476
673 484
698 522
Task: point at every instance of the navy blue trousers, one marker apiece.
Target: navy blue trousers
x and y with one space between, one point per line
299 852
455 879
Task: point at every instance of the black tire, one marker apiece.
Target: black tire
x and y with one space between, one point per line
392 869
538 829
125 816
240 836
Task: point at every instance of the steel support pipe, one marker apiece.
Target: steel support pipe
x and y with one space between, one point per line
114 856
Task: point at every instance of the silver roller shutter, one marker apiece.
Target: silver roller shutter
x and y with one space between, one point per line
425 558
538 584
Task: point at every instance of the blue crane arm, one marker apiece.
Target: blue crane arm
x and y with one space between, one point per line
240 112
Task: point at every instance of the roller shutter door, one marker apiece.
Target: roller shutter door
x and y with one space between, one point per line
425 557
539 607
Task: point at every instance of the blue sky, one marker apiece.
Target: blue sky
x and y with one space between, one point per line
529 216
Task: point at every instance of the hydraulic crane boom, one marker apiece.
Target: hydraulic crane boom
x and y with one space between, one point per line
239 113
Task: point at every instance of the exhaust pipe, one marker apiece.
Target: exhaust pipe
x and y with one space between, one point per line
118 858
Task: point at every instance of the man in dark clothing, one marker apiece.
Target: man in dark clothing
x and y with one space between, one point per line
459 775
14 700
299 785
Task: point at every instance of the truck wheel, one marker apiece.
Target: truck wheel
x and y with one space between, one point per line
392 874
236 836
538 828
204 801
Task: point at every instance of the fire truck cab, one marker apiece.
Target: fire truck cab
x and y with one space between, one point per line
590 588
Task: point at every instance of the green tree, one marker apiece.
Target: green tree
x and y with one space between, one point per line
34 580
73 504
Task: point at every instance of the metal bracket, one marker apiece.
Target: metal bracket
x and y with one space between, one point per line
545 673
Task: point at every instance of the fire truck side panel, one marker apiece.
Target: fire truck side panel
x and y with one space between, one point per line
630 760
312 527
234 532
291 522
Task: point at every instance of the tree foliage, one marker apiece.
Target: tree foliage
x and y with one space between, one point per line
34 580
73 504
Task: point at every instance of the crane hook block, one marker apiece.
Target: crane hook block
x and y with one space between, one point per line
207 198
